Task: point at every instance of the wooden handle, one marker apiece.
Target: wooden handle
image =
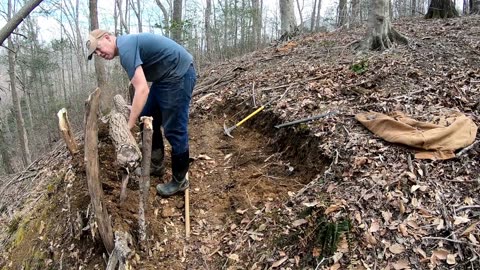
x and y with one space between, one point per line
187 211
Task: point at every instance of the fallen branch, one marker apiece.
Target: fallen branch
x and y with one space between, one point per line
92 169
450 240
463 208
121 253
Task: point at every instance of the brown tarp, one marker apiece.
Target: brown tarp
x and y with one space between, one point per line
438 141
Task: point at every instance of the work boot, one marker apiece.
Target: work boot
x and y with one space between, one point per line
156 165
179 181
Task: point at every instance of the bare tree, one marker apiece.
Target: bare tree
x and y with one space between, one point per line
138 14
5 151
14 21
474 6
441 9
342 13
354 18
177 20
166 17
287 17
380 33
208 30
22 132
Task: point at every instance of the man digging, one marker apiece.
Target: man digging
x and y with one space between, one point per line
153 58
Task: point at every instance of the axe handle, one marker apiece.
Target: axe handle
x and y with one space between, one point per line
250 116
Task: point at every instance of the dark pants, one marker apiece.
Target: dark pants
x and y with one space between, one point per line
168 103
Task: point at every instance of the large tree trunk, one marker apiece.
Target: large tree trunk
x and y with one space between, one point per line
441 9
5 152
177 21
475 7
342 13
380 33
22 132
288 25
354 18
208 30
14 21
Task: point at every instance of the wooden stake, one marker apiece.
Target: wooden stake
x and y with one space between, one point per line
66 131
92 169
145 178
187 211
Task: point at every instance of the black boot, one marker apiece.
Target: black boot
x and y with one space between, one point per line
179 181
156 166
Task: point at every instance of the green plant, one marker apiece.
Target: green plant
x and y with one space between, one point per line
359 67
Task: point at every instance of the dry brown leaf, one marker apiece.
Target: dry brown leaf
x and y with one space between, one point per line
401 206
403 229
234 257
396 248
279 262
299 222
335 266
370 238
401 264
472 239
470 228
421 252
440 254
332 208
387 216
451 259
374 227
460 220
316 252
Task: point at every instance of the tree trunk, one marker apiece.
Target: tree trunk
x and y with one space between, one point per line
122 20
380 33
300 13
92 169
208 31
137 11
319 8
5 152
177 24
354 18
287 16
413 8
166 22
441 9
22 133
14 21
342 13
99 63
475 7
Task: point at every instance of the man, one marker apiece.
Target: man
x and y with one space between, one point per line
160 60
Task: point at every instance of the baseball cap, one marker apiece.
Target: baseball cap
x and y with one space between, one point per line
92 41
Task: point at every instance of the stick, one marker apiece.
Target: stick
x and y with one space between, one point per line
145 178
187 211
451 240
66 131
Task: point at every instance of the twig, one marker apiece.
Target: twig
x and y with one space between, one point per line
450 240
253 95
462 208
466 149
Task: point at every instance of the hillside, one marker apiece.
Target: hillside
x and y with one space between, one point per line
326 194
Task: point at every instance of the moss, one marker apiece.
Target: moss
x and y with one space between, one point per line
19 236
13 225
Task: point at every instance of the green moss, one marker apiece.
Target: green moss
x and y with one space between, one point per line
359 67
13 225
19 236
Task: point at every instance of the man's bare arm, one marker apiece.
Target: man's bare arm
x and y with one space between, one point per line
141 94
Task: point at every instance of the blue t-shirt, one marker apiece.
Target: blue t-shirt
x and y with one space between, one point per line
162 59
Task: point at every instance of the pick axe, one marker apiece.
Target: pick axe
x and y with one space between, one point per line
228 130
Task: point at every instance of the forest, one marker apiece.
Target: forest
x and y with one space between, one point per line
310 181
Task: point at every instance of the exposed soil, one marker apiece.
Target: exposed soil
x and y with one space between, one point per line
326 194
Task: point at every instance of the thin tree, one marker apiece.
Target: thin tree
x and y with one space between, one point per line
5 151
380 33
208 30
14 21
177 20
22 132
342 13
474 6
441 9
166 17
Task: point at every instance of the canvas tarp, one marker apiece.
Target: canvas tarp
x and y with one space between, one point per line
434 141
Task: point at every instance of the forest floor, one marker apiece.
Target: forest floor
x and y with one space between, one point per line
327 194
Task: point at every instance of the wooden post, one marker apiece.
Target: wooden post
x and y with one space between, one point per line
66 131
145 178
92 170
187 211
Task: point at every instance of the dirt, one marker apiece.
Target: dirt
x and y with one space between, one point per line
327 194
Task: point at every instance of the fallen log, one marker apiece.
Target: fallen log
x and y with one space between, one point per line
128 152
92 170
66 131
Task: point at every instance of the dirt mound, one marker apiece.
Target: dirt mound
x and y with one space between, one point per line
317 195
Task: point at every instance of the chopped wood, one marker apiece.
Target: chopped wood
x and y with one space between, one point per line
121 253
92 170
66 130
128 152
121 106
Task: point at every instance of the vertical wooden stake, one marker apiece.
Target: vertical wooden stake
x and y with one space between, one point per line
187 211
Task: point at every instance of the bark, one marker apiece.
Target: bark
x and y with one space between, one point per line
122 20
287 17
145 178
342 13
92 169
14 21
177 24
475 6
22 132
66 130
121 253
99 62
317 22
441 9
208 30
300 12
127 150
413 8
137 11
380 33
5 152
354 18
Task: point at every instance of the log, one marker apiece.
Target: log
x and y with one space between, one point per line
66 130
128 152
92 169
121 106
145 178
121 253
